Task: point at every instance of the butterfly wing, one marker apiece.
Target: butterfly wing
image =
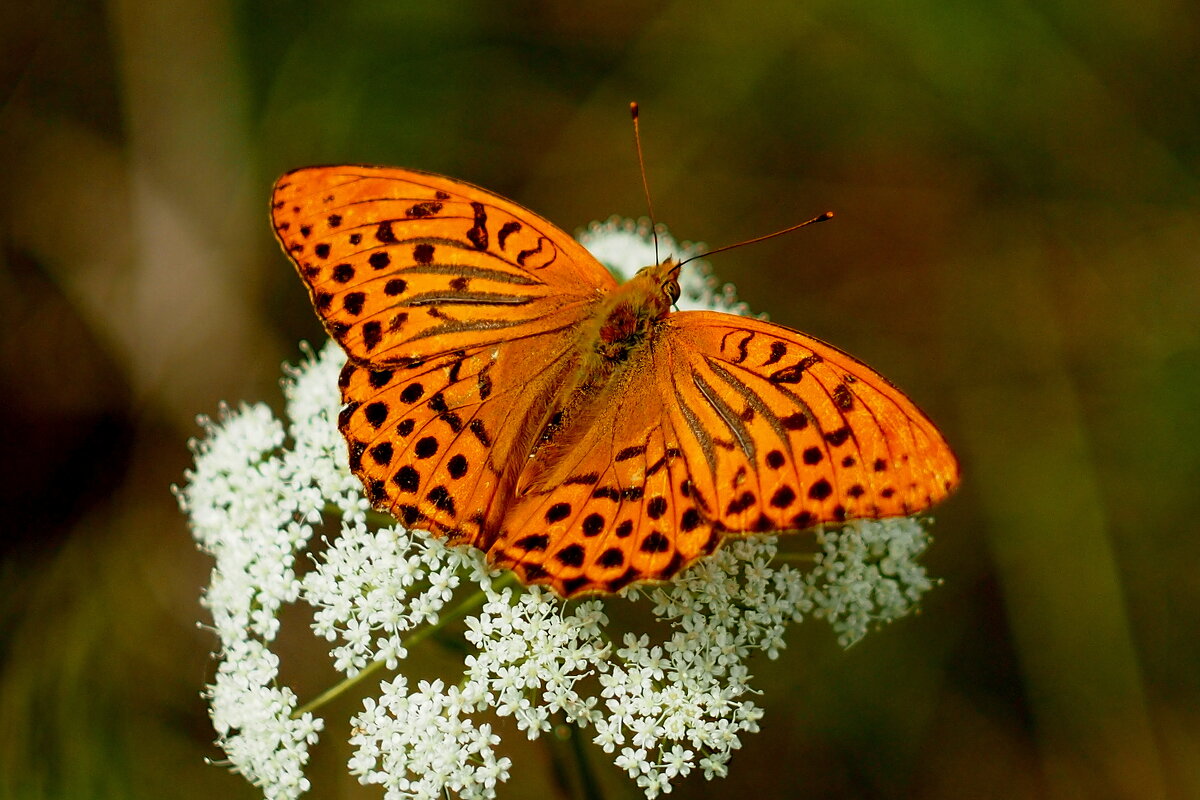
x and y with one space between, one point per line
782 431
457 309
437 443
404 265
724 424
616 505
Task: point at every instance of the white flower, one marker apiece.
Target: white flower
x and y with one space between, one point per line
255 724
422 744
663 705
866 573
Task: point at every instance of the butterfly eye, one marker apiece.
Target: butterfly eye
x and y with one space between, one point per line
671 290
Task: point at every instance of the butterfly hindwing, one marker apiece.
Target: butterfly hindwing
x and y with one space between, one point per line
433 441
616 508
404 265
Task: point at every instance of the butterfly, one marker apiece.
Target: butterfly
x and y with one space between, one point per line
503 390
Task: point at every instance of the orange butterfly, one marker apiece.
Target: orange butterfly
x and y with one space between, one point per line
503 390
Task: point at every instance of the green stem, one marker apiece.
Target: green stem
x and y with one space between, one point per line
569 764
796 558
383 520
587 778
472 602
559 771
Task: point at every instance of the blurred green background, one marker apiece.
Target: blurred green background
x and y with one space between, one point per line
1016 244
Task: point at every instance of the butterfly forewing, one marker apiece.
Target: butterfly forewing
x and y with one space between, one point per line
403 265
782 431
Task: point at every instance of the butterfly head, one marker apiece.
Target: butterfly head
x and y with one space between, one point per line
662 285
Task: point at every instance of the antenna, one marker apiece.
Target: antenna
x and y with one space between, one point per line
637 141
820 218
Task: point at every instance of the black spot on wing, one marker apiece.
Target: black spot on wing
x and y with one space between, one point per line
842 397
778 351
384 233
630 452
372 334
424 209
376 413
558 512
743 352
534 543
478 234
655 542
480 432
794 373
407 479
525 254
423 253
571 555
839 437
380 378
506 230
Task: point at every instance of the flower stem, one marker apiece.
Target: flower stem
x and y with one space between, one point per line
471 603
558 766
565 743
380 519
796 558
587 778
339 688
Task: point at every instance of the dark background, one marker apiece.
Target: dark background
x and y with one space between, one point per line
1016 244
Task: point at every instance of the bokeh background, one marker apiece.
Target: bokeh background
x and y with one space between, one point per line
1017 244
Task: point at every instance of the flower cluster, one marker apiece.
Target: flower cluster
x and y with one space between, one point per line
661 706
373 586
423 745
867 573
243 513
530 647
683 703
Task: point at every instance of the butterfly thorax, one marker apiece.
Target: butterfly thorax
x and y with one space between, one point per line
625 317
612 343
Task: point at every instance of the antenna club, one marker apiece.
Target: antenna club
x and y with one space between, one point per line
821 218
633 109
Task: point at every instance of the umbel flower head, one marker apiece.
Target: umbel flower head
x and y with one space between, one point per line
662 705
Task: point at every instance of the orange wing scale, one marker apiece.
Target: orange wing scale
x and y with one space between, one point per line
477 407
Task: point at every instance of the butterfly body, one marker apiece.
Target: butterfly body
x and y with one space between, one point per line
502 390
